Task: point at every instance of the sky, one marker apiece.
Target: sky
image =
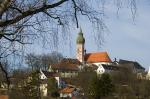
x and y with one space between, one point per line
126 39
130 39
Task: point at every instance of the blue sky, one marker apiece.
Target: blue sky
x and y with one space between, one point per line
126 39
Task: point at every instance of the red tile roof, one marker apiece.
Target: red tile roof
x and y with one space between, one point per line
67 64
67 89
3 96
71 61
97 57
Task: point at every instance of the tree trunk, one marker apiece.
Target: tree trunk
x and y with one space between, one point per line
6 75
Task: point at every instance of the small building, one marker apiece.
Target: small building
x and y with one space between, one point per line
68 92
133 65
101 60
104 68
67 68
44 75
47 74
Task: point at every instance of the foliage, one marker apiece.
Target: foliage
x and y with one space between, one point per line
147 89
31 88
52 87
107 85
17 93
101 87
129 86
83 80
25 85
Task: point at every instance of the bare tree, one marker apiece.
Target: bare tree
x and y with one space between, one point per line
28 21
4 72
19 17
36 62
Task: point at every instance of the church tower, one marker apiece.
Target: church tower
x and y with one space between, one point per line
80 46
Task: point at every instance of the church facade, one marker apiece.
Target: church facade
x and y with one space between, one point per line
99 59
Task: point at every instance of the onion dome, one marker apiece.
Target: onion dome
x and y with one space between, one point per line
80 38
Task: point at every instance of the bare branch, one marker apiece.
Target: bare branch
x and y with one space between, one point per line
75 12
19 10
54 17
29 13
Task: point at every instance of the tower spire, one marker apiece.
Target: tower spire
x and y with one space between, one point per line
80 46
80 38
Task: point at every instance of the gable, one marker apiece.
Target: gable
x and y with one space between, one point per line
42 75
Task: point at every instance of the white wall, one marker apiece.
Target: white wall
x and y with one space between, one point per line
68 74
43 89
99 63
100 70
64 95
58 81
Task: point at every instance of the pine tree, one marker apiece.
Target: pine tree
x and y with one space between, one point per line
101 86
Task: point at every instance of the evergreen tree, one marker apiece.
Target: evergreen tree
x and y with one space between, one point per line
52 87
101 86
